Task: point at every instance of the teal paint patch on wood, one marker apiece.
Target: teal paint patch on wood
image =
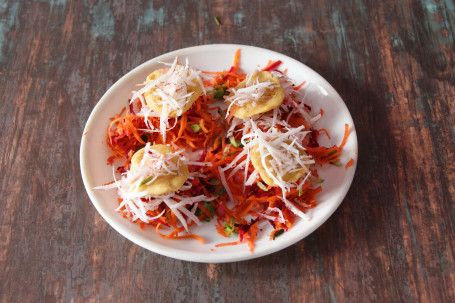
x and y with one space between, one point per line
54 3
342 44
144 258
216 294
9 17
152 15
298 36
397 42
452 130
415 249
431 7
450 6
332 296
440 31
449 18
238 18
103 21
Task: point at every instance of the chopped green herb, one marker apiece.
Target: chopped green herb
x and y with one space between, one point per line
195 127
230 228
209 207
235 143
262 186
320 181
331 153
217 21
217 92
300 192
222 192
214 181
220 111
146 181
278 233
337 163
226 152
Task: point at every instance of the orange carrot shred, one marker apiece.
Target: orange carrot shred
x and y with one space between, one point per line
227 244
350 162
236 59
300 85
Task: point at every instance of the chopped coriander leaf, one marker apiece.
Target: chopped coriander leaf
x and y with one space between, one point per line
235 143
337 163
195 127
222 192
217 92
146 181
217 21
320 181
331 153
262 186
300 192
278 233
209 207
214 181
229 228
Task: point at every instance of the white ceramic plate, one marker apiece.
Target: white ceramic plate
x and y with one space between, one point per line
94 152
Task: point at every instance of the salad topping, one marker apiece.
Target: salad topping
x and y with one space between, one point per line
184 164
260 92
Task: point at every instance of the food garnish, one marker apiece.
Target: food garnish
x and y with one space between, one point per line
186 161
260 92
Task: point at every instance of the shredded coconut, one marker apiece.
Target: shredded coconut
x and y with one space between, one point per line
172 90
251 93
135 204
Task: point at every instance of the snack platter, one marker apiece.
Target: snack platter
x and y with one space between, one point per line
216 58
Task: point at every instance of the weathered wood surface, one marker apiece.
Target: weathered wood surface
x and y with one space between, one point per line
393 62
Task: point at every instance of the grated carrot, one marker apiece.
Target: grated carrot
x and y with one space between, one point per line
350 162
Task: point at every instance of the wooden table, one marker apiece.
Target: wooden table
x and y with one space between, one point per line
393 62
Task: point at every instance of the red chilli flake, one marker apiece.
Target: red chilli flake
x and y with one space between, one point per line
131 107
272 66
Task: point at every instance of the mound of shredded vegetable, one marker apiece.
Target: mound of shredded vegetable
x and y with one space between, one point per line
241 171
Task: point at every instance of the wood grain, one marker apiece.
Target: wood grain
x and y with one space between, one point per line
393 62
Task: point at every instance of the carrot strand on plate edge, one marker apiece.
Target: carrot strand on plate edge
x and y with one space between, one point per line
350 162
